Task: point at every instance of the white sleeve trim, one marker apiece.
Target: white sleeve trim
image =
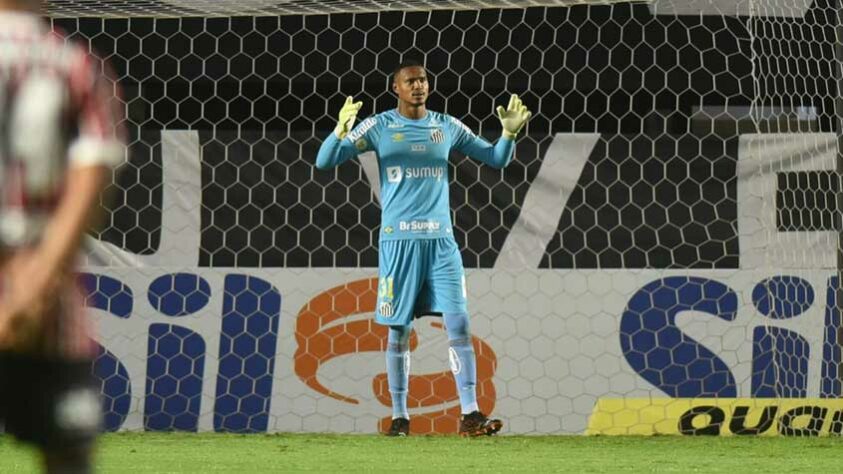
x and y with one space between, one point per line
362 129
86 151
465 128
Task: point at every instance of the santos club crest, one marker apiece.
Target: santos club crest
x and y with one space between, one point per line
436 136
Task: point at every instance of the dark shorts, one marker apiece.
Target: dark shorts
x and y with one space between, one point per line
53 404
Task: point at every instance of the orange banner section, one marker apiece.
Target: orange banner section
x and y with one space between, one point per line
320 338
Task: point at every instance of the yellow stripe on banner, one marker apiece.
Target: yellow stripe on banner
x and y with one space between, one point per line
717 416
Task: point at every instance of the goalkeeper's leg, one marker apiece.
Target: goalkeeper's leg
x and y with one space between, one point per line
400 267
398 375
462 360
446 293
464 367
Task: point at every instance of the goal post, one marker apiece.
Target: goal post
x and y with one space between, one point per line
659 255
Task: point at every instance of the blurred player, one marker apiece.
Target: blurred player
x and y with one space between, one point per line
420 267
58 141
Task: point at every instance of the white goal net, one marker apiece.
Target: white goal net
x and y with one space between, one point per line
227 8
658 258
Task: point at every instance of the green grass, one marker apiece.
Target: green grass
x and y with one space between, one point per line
241 454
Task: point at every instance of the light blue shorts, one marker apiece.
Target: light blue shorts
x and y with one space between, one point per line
418 277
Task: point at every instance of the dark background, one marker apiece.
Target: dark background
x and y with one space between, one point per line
659 190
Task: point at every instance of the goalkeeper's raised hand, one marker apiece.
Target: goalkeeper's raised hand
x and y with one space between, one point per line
348 114
513 117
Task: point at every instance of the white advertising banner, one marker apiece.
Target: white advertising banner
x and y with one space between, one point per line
550 344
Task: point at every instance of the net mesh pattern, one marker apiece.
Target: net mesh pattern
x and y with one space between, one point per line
695 209
205 8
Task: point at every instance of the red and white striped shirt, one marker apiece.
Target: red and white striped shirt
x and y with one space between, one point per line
58 110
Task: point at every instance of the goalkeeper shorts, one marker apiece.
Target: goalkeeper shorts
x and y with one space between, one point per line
418 277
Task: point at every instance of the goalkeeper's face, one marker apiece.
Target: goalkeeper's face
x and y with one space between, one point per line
411 86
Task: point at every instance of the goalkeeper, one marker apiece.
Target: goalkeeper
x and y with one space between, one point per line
420 267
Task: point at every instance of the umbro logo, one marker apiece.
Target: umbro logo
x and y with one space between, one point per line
393 125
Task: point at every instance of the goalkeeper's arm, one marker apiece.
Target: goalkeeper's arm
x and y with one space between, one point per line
333 150
512 119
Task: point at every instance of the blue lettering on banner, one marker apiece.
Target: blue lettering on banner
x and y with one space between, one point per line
665 356
251 310
831 372
174 367
681 367
176 355
179 294
107 294
779 363
116 390
112 296
783 297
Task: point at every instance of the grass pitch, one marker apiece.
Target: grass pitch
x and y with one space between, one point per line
210 453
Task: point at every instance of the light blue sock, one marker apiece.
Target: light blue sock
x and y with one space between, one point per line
461 356
398 369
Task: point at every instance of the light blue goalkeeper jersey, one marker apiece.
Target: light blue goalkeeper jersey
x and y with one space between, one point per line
413 165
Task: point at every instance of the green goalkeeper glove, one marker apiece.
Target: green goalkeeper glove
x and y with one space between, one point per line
514 117
348 114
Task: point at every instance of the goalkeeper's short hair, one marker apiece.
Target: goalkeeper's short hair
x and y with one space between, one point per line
405 63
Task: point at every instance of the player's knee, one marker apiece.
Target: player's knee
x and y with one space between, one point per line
399 338
456 324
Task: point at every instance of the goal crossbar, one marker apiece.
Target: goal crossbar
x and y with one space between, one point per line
227 8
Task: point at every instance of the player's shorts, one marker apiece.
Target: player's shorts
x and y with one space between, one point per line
418 277
53 404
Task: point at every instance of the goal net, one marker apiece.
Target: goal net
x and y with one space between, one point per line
215 8
660 256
